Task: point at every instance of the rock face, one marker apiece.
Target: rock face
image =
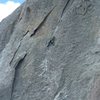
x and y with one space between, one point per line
50 50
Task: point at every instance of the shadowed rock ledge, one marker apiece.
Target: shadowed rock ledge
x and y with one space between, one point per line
50 50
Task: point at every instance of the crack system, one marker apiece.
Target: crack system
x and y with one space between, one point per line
16 66
19 61
42 23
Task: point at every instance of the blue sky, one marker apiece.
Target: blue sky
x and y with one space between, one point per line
4 1
8 6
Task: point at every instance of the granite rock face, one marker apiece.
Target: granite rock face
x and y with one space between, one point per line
50 50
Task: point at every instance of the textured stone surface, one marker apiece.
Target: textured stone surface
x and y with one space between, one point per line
50 50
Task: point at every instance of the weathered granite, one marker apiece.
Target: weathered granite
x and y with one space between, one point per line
50 50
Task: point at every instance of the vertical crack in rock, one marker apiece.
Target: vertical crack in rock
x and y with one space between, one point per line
17 49
42 23
17 63
68 3
15 53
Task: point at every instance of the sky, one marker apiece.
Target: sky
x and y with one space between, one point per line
8 6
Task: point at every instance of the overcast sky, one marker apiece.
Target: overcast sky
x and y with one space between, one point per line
8 6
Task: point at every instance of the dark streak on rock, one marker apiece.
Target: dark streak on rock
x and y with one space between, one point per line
20 19
66 5
26 32
51 42
27 14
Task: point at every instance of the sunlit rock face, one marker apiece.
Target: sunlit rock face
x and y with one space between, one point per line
50 50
